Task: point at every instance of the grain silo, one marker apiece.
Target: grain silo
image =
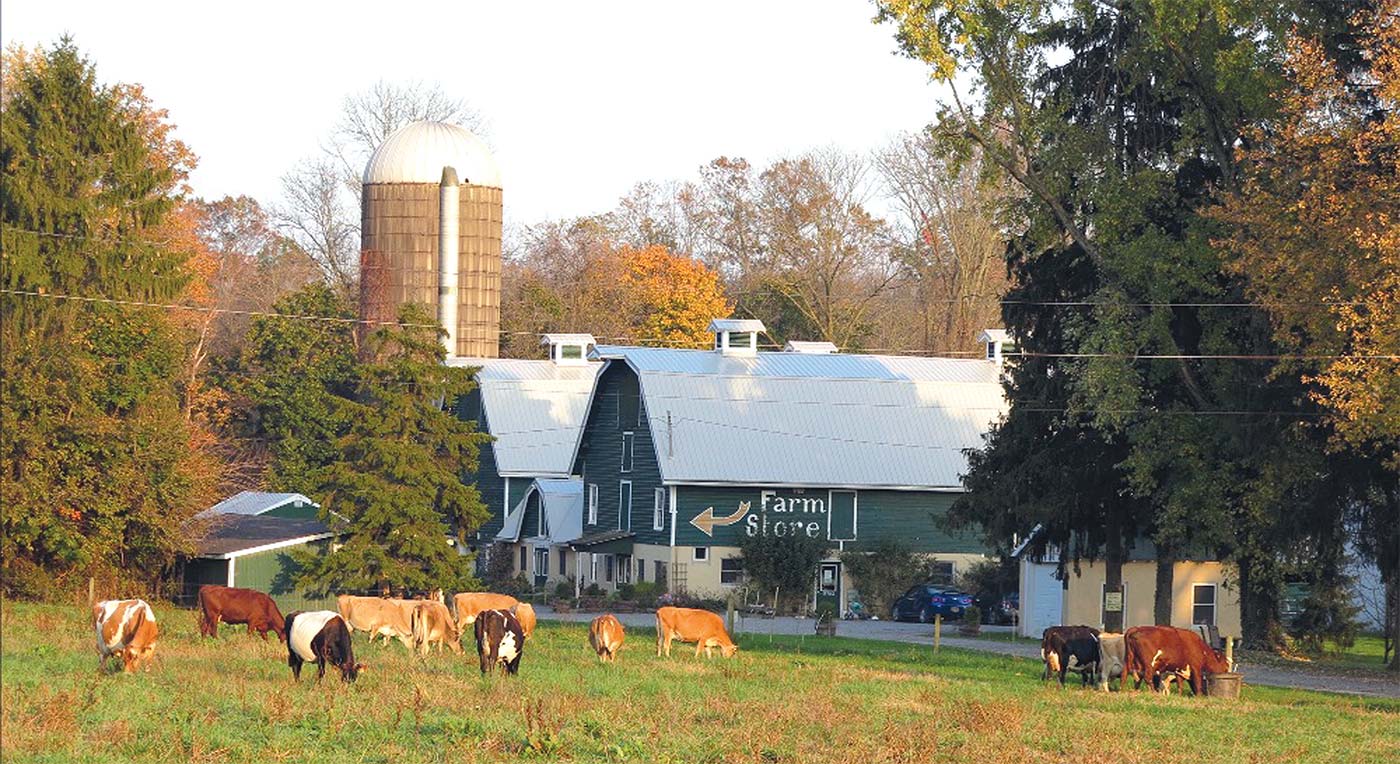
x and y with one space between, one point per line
426 181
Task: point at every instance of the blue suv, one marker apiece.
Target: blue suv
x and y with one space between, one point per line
924 601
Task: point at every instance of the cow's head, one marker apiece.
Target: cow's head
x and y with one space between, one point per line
133 656
351 670
728 650
1215 662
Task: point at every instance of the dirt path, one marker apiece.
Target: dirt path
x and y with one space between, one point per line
1310 678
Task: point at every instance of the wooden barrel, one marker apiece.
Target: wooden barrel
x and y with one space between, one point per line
1224 685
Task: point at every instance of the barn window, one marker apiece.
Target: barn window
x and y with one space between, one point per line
658 509
563 561
624 504
608 568
701 554
731 571
523 559
624 569
592 503
627 440
1203 604
641 570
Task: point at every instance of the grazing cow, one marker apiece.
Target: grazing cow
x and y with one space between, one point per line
1111 651
1070 648
125 628
378 616
525 613
500 641
432 624
1156 652
468 604
320 637
605 634
233 606
702 627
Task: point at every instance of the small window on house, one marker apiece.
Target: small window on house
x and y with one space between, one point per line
624 569
658 509
731 571
641 571
627 440
1203 604
624 505
523 559
592 503
659 572
608 568
701 554
563 561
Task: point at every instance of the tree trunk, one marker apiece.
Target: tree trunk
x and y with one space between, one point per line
1258 608
1162 597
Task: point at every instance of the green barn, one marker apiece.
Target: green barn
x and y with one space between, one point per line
245 541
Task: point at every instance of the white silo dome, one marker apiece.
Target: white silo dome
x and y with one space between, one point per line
417 152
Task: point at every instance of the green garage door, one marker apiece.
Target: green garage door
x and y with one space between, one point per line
842 525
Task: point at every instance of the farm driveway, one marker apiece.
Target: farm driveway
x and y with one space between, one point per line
1373 685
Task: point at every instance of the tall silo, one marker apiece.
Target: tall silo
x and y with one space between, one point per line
407 215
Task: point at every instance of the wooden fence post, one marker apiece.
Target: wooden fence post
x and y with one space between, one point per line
937 630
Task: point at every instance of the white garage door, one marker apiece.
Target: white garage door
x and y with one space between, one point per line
1044 597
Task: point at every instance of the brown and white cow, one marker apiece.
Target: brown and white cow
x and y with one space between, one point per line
1069 648
1156 652
127 629
468 604
500 640
702 627
379 616
320 637
431 624
1112 650
605 634
233 606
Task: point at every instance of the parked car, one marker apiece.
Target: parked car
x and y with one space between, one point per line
924 601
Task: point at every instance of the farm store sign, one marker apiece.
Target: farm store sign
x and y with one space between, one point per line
791 513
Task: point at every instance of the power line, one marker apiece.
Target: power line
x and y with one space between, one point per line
662 342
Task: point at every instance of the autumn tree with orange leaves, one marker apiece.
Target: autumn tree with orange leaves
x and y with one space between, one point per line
1315 229
656 296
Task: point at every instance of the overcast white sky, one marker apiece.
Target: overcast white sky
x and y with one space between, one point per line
583 100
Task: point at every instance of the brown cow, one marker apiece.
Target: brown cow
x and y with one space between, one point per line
431 624
468 604
378 616
702 627
125 628
1156 651
605 634
525 613
233 606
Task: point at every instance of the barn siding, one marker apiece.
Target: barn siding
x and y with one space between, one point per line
272 571
600 456
488 479
909 517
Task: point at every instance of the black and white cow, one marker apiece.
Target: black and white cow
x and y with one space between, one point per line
500 640
1070 648
320 636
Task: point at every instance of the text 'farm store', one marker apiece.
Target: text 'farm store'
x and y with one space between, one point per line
616 464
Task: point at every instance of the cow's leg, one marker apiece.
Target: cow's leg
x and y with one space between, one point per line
294 661
513 667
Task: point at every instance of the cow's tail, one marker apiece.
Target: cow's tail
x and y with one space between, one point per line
418 628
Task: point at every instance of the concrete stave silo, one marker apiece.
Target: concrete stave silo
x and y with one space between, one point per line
401 221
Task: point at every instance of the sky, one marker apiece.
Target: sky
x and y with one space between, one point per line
582 100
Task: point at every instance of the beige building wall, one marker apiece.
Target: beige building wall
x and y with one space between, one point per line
1083 598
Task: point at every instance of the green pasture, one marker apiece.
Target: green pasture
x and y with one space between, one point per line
784 700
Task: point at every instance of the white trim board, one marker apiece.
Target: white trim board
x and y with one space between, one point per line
265 547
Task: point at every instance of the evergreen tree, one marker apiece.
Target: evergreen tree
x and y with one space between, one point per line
397 487
100 468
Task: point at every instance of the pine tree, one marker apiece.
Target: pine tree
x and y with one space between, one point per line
398 488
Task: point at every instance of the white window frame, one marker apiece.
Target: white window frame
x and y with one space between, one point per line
855 513
629 440
592 503
699 554
541 556
1214 604
539 519
624 511
658 509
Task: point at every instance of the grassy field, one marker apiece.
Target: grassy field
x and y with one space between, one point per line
829 700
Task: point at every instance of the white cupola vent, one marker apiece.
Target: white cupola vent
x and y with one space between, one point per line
997 343
736 336
569 349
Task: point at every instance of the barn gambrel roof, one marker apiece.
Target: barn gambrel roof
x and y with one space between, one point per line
815 420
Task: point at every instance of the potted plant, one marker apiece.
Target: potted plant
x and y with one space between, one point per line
971 624
826 621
